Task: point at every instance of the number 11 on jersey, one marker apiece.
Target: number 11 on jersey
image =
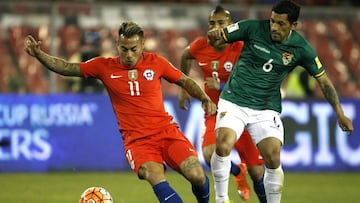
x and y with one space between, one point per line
134 88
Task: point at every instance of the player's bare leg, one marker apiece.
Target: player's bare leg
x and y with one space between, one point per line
192 170
207 153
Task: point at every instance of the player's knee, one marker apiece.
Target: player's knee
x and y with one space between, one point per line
196 176
223 148
193 171
142 173
197 179
270 149
272 162
225 141
271 158
153 173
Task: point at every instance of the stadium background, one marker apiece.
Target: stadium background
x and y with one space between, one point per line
55 143
42 120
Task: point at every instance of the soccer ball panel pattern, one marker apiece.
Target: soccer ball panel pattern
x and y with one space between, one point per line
95 195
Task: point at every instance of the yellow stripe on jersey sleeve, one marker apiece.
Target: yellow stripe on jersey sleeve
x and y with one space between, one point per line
224 35
320 74
318 63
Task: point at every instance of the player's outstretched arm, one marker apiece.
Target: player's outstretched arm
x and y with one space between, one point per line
332 97
55 64
196 91
186 61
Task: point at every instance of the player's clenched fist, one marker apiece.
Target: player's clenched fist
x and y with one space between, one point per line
215 37
214 34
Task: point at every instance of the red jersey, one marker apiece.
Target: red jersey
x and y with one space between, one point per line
135 93
213 63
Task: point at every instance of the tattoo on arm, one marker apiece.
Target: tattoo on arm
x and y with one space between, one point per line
192 88
330 94
181 82
59 65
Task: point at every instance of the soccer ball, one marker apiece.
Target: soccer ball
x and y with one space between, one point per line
95 195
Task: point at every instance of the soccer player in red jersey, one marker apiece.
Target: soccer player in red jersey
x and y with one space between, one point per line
151 137
216 64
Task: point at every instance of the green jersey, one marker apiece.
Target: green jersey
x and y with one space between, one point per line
263 64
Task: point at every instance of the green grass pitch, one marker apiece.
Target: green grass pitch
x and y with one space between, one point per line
66 187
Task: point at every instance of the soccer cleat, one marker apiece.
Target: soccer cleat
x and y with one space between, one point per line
242 185
228 201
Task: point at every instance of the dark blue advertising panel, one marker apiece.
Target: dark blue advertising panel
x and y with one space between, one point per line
314 141
74 132
59 132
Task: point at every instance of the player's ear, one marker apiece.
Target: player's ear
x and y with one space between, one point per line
117 41
143 42
294 25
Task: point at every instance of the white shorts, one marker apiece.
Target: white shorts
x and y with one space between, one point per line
260 123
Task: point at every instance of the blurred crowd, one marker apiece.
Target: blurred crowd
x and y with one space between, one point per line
251 2
243 2
302 2
336 40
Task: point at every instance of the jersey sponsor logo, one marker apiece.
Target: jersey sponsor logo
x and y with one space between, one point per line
318 63
228 66
149 74
286 58
233 27
132 74
112 76
262 48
